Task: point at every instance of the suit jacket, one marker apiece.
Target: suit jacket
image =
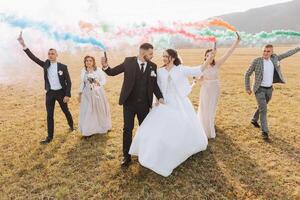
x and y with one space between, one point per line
128 67
64 77
257 66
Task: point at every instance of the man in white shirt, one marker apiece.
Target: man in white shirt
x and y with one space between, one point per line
57 86
267 72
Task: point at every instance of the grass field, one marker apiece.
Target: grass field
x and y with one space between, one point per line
238 164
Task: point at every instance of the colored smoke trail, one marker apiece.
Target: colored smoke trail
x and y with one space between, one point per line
49 30
164 30
247 38
203 24
161 34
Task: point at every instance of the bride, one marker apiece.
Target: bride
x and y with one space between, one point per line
172 131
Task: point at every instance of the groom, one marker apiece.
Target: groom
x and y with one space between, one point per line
267 71
57 86
137 91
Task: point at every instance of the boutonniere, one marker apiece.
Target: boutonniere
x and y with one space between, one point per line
60 72
153 74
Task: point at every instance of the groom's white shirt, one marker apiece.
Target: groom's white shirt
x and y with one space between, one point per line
53 77
140 64
179 74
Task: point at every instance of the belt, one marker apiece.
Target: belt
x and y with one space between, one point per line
266 87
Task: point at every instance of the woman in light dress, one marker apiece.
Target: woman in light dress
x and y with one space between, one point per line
171 132
210 90
94 115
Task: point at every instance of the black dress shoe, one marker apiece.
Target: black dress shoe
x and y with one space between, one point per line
265 135
46 141
255 124
71 130
126 162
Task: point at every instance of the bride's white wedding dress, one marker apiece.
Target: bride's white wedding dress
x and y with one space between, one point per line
171 132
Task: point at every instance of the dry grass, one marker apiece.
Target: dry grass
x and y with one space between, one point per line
236 165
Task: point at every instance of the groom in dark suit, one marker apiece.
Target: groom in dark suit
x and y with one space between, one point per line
137 91
57 86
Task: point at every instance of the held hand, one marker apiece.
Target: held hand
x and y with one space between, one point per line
161 101
21 40
238 36
79 98
249 92
66 99
215 46
104 62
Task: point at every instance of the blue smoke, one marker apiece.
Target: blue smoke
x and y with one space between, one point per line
46 28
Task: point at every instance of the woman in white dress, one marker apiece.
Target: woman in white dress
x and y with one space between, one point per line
210 90
171 132
94 115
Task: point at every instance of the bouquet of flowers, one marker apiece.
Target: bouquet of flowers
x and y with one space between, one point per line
91 79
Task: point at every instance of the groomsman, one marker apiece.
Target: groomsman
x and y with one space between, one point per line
267 72
57 86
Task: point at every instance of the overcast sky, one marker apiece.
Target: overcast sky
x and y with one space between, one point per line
120 11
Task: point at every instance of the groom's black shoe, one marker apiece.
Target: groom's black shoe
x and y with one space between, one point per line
255 124
72 130
265 135
46 141
126 162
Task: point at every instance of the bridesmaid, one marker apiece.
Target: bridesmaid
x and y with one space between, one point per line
210 90
94 115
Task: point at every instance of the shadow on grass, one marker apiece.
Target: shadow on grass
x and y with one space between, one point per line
289 150
212 174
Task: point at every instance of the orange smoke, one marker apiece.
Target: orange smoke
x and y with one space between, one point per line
211 22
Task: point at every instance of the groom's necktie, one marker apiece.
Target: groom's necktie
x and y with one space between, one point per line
142 67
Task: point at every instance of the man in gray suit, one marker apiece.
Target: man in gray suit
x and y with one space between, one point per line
267 71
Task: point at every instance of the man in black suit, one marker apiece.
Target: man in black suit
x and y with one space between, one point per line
137 91
57 86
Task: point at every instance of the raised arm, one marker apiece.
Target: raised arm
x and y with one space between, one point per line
198 70
112 71
29 53
288 53
192 71
220 61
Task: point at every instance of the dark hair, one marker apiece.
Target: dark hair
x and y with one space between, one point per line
268 46
94 62
146 46
51 49
206 52
173 54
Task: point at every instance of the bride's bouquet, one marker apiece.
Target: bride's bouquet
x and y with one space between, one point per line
92 80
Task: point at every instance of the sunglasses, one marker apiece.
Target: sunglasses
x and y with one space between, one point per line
51 54
267 51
